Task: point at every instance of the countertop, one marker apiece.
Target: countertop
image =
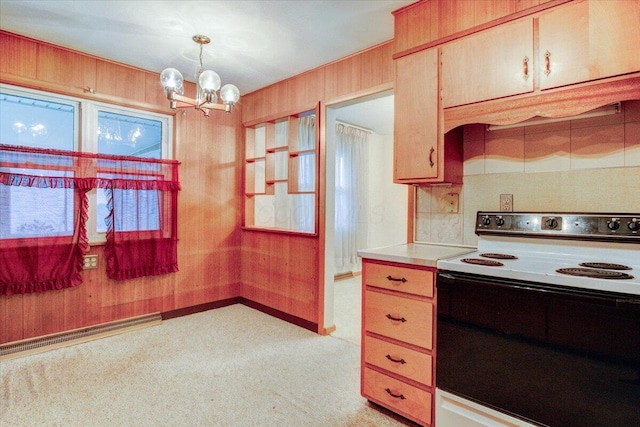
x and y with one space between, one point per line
422 254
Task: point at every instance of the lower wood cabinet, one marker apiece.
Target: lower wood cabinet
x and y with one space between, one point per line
398 318
412 402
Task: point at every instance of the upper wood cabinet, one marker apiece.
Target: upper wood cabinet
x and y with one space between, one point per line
416 130
421 153
588 40
488 65
426 21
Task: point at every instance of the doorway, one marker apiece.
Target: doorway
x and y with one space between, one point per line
382 213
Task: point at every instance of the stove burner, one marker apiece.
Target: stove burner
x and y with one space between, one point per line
498 256
604 265
479 261
594 273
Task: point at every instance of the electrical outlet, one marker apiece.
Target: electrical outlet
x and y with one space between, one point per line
90 262
452 202
506 202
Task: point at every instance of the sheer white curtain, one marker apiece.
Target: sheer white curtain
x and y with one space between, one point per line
282 218
351 196
303 214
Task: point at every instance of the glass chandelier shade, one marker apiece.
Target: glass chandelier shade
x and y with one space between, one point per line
230 94
207 87
172 81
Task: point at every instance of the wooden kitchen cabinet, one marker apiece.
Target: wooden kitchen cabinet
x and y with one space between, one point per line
398 319
588 40
422 154
491 64
577 42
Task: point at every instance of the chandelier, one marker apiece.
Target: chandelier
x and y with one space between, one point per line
207 87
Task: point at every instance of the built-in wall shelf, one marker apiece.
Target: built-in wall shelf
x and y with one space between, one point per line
280 171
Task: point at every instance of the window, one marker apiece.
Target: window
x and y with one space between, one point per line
41 120
60 192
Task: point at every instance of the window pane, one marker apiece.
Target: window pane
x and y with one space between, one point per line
33 122
306 172
33 211
128 135
134 210
38 122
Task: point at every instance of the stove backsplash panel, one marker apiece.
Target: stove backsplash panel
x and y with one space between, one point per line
587 165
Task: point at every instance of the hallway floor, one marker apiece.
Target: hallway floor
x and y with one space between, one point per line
347 297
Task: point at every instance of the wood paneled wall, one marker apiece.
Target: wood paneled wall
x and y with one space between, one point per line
208 210
429 20
285 271
357 73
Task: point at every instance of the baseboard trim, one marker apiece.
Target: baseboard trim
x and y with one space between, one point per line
298 321
340 276
179 312
328 330
16 349
41 344
347 275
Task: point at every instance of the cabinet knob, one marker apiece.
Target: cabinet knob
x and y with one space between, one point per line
395 279
394 360
547 63
525 68
396 319
431 156
392 394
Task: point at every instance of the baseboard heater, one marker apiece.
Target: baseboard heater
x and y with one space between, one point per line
44 343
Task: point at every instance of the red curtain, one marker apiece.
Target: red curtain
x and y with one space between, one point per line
44 210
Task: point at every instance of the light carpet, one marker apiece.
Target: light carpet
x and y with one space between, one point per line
232 366
347 309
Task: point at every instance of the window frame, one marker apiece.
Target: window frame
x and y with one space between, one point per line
85 137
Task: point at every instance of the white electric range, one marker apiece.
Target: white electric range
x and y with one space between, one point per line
542 322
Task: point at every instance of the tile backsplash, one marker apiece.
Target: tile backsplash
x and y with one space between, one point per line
588 165
434 222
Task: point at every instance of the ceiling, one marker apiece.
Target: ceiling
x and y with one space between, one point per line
253 43
374 113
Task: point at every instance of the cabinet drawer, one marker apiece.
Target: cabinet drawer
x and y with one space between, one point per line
404 319
410 280
398 396
398 359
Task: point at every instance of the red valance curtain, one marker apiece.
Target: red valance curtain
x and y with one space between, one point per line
44 211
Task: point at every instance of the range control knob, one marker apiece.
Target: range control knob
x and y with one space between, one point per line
486 220
552 223
634 225
499 221
613 224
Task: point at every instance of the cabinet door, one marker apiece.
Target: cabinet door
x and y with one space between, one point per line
488 65
416 125
589 40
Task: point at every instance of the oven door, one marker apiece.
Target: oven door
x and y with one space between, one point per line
552 356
